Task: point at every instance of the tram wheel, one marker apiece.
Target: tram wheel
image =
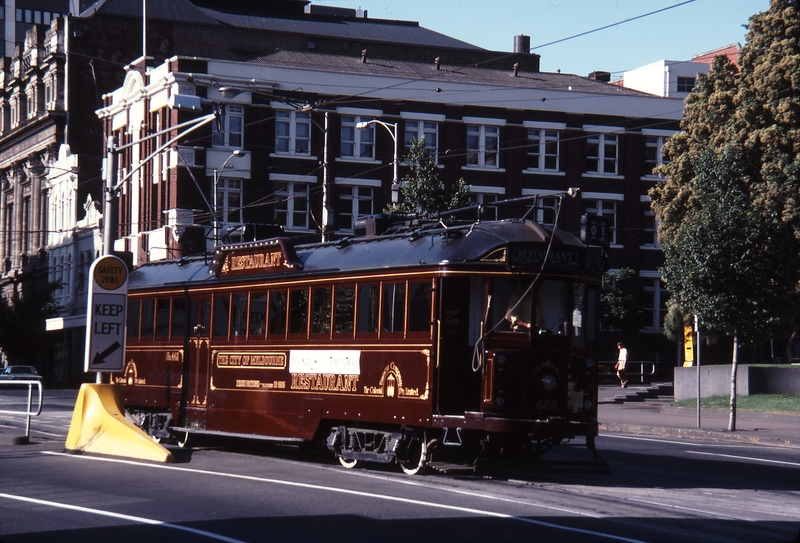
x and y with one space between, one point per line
183 440
415 461
349 464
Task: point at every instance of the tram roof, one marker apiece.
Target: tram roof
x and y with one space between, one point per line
412 247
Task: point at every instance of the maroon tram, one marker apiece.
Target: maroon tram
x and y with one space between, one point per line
386 348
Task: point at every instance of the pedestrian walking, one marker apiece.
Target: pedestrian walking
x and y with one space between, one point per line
622 360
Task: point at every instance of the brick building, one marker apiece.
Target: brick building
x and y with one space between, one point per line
52 144
508 133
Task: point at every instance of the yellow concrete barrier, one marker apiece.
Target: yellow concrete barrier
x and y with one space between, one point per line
99 426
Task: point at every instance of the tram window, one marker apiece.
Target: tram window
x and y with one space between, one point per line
239 315
512 305
178 317
222 306
133 318
368 308
258 314
551 307
419 310
162 317
321 323
148 313
277 312
199 316
394 307
298 311
344 309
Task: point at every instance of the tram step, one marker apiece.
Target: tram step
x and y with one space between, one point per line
448 467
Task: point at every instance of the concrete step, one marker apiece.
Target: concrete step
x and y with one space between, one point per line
655 393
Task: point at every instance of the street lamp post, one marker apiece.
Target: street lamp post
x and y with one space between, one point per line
392 129
237 153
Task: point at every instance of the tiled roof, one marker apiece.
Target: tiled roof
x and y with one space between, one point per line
376 30
451 74
352 28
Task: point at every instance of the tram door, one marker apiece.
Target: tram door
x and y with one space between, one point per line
197 361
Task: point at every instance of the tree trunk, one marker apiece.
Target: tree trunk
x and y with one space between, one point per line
734 368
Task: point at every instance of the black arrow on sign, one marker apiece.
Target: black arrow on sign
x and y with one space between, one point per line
100 358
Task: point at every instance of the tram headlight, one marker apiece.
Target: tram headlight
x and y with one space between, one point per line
589 363
499 402
588 404
549 382
500 359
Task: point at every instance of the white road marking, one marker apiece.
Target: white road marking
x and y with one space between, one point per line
479 512
140 520
749 458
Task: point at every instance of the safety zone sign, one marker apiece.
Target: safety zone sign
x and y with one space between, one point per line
105 319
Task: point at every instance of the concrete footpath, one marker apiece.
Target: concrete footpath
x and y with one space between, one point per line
639 418
660 419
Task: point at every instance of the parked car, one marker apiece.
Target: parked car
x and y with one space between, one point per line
20 373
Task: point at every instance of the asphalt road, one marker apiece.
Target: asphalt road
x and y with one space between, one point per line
656 490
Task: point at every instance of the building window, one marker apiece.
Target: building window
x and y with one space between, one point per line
483 198
542 149
354 202
601 154
654 153
483 146
229 201
229 131
292 133
605 208
357 143
546 209
291 208
654 304
416 130
650 229
685 84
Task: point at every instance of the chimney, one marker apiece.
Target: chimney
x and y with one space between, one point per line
363 55
601 76
437 62
515 67
522 44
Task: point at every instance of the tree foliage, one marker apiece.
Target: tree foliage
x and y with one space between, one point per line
423 190
618 298
729 219
22 326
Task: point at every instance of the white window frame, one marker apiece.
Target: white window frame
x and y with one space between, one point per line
360 190
654 140
419 126
653 293
231 135
363 139
604 205
540 134
288 203
483 194
649 228
480 152
294 122
226 187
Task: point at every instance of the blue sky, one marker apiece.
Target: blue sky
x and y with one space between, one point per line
675 34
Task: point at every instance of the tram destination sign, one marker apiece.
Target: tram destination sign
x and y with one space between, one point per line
529 257
106 314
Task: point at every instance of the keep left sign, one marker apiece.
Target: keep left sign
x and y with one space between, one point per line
106 314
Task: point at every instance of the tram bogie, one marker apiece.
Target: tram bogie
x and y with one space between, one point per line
389 349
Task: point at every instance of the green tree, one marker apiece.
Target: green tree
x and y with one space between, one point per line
730 261
740 133
423 191
22 326
618 298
